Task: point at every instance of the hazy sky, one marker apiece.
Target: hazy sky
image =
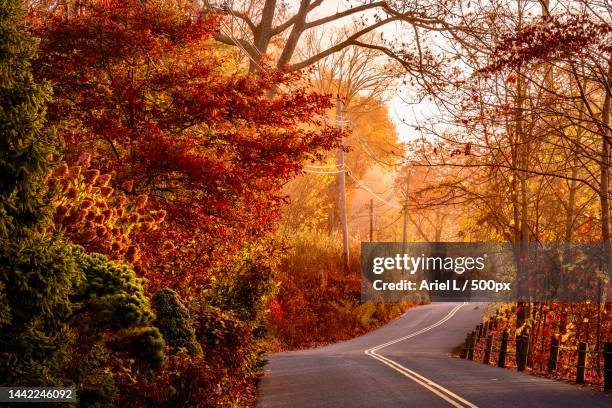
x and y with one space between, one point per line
398 109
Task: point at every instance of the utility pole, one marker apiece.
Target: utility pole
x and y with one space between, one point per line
405 230
342 186
405 210
371 219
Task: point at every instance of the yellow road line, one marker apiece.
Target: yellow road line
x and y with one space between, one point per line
444 393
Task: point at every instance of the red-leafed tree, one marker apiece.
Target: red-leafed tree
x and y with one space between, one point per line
142 87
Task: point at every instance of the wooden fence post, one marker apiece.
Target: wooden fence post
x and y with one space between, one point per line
501 361
607 366
480 329
485 331
521 353
487 354
466 345
472 345
582 346
554 354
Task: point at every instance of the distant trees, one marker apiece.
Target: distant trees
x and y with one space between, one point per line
529 94
530 101
362 79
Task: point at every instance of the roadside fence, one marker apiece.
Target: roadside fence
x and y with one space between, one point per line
581 364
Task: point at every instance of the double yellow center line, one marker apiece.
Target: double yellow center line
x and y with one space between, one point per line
444 393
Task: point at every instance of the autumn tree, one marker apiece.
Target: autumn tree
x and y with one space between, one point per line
530 102
157 108
574 50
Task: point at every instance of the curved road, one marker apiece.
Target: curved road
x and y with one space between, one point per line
407 364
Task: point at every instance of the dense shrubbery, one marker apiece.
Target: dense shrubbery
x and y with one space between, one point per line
223 373
114 312
174 322
318 302
113 294
37 272
67 317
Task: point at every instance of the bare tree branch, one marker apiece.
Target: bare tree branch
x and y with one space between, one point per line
345 13
348 42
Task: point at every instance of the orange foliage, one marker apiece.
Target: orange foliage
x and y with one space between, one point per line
90 213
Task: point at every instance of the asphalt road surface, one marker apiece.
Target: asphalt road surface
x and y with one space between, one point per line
407 363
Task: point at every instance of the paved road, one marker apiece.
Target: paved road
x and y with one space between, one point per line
407 364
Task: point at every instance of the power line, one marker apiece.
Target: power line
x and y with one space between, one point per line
391 223
254 47
360 183
338 122
366 188
236 42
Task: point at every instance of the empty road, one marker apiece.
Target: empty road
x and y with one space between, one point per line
407 363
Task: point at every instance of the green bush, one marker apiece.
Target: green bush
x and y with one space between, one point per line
245 290
174 322
28 148
116 311
113 293
37 275
113 320
37 272
62 311
144 343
